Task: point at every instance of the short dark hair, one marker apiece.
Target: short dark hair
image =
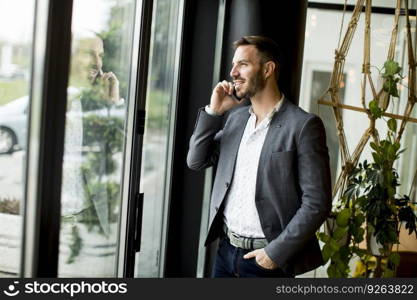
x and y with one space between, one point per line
267 48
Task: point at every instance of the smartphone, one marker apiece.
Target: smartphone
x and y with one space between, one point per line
234 96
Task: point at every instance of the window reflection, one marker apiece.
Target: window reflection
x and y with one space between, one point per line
94 137
16 23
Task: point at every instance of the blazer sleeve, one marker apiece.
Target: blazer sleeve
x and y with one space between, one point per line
316 201
204 144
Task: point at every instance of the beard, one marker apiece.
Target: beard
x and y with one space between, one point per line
255 84
94 75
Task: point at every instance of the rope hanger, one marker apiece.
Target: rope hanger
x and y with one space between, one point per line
349 161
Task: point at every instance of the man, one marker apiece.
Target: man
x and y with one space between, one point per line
101 89
272 189
92 62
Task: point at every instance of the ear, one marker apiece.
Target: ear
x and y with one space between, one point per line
269 68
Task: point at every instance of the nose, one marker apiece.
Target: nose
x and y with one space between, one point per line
234 72
99 61
96 60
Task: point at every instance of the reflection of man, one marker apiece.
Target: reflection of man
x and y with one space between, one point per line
101 87
109 84
272 188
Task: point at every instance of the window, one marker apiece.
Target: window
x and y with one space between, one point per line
16 23
318 81
158 142
94 137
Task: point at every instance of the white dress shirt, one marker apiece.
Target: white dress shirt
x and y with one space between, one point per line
240 214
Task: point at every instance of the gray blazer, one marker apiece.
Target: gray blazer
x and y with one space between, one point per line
293 186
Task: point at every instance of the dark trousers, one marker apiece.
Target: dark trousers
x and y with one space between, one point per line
229 262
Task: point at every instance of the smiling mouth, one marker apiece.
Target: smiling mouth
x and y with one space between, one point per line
237 83
94 75
94 71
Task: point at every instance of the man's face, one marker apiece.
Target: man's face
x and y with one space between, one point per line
247 72
95 59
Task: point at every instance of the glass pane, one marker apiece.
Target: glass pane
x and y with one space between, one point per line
94 137
407 163
16 33
156 148
319 84
321 38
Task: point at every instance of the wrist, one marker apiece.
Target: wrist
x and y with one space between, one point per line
213 112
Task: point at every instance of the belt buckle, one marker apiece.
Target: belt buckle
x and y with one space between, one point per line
235 239
234 234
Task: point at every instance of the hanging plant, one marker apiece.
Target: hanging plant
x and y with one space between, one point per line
369 208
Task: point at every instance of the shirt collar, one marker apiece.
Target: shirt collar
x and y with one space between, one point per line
274 110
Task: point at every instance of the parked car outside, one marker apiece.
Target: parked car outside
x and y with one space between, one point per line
14 118
13 125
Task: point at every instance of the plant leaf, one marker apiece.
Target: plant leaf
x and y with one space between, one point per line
390 86
392 124
334 246
342 218
340 232
323 237
388 273
391 68
374 146
374 108
394 258
326 252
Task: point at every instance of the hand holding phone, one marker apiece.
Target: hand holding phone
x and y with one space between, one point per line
224 97
234 95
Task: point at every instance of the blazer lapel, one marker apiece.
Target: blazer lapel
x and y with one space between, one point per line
237 128
276 128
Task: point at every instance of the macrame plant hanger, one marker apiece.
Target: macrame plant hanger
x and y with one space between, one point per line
349 161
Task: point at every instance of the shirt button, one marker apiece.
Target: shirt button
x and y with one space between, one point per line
227 184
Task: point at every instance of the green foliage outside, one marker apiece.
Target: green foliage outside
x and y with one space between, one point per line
116 40
157 109
11 90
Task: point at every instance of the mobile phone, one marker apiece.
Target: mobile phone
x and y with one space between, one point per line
234 96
